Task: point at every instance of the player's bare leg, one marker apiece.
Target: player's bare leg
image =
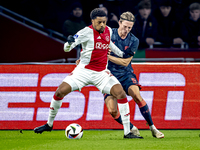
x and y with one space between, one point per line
118 92
56 102
135 94
111 103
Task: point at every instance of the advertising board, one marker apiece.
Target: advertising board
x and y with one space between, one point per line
170 90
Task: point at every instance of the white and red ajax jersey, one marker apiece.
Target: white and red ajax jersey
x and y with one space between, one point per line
95 47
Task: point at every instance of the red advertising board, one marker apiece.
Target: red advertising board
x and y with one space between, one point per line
172 53
170 90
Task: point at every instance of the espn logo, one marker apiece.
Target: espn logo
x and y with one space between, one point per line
31 93
173 110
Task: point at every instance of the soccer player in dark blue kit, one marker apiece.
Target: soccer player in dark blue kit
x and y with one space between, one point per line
122 70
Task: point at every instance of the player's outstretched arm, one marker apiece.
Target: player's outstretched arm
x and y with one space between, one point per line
126 54
115 49
120 61
80 37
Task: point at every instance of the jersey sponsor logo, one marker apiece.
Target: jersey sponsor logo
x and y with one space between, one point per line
99 45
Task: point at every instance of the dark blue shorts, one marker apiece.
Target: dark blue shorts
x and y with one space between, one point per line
126 81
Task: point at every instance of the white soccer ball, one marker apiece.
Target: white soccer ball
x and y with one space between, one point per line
74 131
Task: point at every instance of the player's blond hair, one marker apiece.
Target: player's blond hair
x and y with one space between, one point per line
128 16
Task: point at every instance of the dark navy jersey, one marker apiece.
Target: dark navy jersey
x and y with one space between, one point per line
131 42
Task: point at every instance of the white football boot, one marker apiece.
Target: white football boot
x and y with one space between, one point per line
135 131
157 134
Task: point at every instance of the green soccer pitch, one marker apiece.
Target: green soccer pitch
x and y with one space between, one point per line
98 140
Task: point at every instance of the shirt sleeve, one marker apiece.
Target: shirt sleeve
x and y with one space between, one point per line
115 49
80 37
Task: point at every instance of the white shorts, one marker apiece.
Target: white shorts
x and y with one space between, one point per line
81 77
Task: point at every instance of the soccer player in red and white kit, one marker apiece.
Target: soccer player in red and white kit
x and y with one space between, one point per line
92 69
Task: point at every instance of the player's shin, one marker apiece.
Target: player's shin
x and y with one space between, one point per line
144 109
56 103
119 120
124 110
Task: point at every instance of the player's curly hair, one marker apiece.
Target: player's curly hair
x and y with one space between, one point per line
127 16
97 12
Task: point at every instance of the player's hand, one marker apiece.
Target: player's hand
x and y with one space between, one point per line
109 51
70 39
78 61
108 54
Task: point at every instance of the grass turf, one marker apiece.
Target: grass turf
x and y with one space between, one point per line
98 140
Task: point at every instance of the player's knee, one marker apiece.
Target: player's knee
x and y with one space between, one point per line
63 90
118 92
134 92
60 92
121 94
